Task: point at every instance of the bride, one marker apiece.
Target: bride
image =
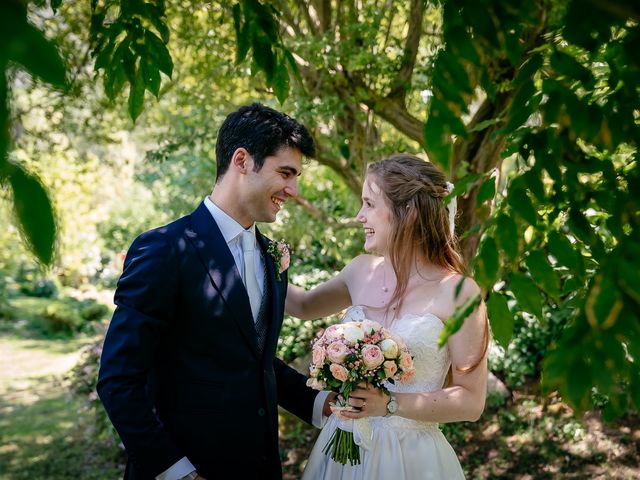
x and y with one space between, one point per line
409 287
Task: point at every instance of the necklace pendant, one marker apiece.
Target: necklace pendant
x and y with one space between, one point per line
385 289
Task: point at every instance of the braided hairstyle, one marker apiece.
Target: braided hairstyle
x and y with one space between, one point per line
414 190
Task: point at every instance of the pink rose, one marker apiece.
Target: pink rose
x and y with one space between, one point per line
406 362
285 259
336 352
338 372
390 368
317 356
333 332
372 356
406 376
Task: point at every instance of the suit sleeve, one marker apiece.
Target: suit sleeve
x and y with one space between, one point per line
293 393
144 301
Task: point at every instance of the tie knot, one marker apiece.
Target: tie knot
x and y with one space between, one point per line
248 241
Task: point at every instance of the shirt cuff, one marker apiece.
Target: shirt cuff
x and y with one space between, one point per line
178 470
318 420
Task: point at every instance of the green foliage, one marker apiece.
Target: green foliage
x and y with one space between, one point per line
129 43
22 44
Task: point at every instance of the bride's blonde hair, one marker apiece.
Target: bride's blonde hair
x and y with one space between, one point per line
414 190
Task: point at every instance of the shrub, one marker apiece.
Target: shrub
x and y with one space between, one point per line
60 317
91 310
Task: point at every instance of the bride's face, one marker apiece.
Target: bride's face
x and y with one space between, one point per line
375 217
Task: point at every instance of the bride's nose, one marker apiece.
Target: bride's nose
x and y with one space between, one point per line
360 216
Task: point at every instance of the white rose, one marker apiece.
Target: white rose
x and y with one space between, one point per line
368 326
352 333
389 347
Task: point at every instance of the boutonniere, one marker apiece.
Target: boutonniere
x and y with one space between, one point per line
281 257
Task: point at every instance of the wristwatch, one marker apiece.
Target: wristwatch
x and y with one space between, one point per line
392 406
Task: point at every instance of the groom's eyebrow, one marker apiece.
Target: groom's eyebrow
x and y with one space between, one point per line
290 170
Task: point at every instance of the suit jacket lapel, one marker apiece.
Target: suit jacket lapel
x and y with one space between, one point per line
214 253
277 296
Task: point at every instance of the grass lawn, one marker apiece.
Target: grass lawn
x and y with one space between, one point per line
43 429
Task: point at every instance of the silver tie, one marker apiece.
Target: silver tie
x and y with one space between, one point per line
250 281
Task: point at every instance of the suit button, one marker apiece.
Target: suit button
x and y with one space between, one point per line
261 412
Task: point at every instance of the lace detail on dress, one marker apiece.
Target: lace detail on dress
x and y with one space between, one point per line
420 333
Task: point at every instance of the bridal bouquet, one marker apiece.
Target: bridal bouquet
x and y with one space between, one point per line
348 354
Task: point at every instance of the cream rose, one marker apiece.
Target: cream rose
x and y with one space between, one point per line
352 333
390 368
372 356
389 347
316 384
313 371
338 372
336 352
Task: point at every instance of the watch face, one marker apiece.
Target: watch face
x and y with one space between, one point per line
392 406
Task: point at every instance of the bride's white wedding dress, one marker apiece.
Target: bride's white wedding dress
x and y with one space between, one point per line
397 448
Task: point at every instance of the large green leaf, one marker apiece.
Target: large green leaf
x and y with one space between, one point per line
136 95
487 191
500 318
281 82
159 53
543 273
34 212
487 263
526 293
151 76
522 205
560 247
507 236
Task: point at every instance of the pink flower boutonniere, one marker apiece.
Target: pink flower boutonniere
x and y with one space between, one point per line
280 253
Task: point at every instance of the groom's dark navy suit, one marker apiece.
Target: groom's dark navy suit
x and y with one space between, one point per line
181 371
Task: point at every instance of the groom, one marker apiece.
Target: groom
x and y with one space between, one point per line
188 374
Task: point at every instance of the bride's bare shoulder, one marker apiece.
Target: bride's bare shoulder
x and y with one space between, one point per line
456 282
362 265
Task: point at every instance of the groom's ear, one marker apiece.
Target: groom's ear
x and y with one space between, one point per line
241 161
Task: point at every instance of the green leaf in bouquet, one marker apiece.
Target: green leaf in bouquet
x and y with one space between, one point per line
500 318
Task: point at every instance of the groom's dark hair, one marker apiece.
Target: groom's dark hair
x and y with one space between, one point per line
262 131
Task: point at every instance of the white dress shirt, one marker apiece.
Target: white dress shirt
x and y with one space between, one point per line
232 234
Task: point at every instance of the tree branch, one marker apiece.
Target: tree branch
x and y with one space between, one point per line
403 78
323 217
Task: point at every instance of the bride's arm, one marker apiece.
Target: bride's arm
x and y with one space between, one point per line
464 398
325 299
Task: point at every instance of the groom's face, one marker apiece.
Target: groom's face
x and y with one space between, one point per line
266 191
